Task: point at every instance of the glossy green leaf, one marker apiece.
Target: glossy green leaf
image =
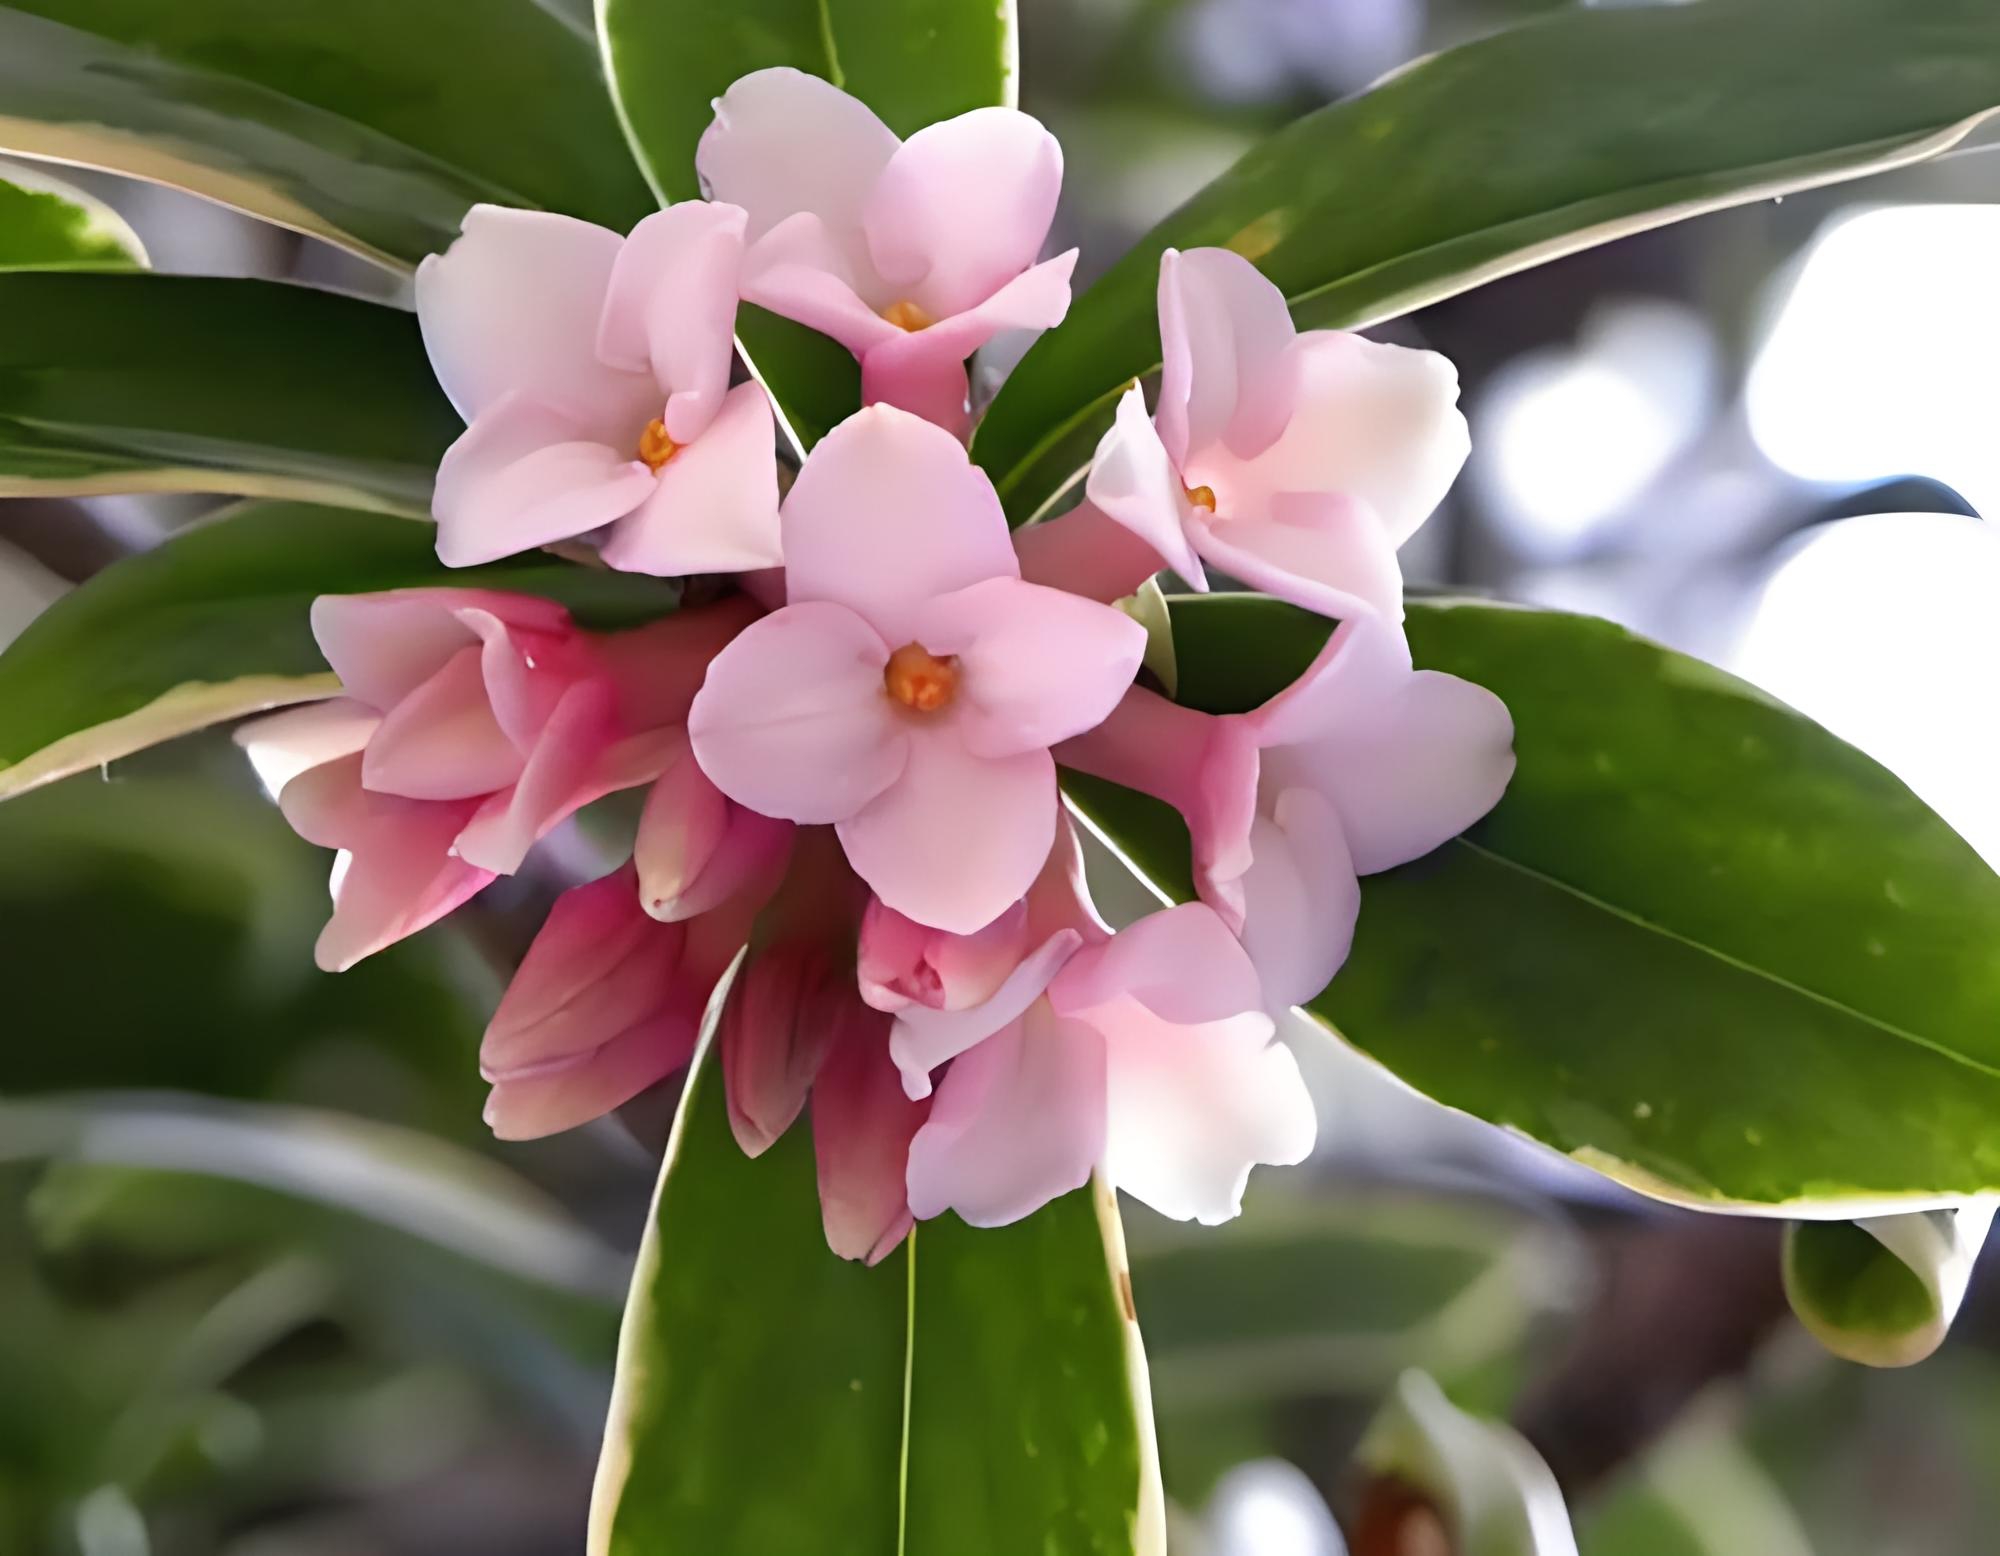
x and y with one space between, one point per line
371 123
46 224
979 1393
1701 945
1509 152
211 624
1883 1291
912 61
124 383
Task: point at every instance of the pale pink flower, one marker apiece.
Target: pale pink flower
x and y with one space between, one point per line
912 254
593 371
471 723
1296 463
901 962
910 690
1364 763
1147 1053
607 1002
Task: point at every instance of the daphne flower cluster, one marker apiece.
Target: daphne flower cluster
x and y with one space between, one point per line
852 761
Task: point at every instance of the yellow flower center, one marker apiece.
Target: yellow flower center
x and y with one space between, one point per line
655 447
1201 496
919 680
906 315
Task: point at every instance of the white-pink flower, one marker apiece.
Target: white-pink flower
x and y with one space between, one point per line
910 688
593 371
1296 463
1147 1053
912 254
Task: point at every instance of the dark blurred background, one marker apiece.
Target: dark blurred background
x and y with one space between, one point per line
267 1288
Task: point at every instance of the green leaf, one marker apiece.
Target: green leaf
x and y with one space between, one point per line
1701 945
1509 152
1883 1291
211 624
978 1392
46 224
127 383
371 123
912 61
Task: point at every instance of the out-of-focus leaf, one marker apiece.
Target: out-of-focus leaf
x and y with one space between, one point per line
912 61
212 624
1702 946
1699 1491
1509 152
1883 1291
372 123
978 1392
1479 1480
46 224
141 383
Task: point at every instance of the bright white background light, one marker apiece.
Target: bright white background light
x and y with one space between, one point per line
1270 1508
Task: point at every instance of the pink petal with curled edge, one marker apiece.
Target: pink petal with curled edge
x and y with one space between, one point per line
1180 964
862 1124
513 305
530 1104
401 875
1301 898
1191 1109
442 741
713 507
1408 757
564 772
696 850
384 646
283 745
781 1016
900 962
922 1039
783 142
1378 423
1017 1121
799 271
963 207
670 309
887 514
1134 483
793 720
524 475
1226 377
1325 553
1036 665
1087 553
957 837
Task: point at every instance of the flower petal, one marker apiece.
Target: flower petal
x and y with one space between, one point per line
862 1124
384 646
1226 337
963 207
1301 898
900 962
513 305
713 507
1133 481
1087 553
283 745
1017 1121
524 475
529 1104
670 308
1325 553
887 514
957 837
695 849
922 1039
442 741
798 271
788 1005
1036 665
1181 964
784 142
566 770
792 720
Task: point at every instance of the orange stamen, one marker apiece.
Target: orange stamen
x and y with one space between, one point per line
906 315
919 680
1201 496
655 447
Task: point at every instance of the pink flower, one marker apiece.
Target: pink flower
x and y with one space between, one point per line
1296 463
1364 763
593 371
909 690
472 722
912 254
902 962
607 1002
1147 1053
695 847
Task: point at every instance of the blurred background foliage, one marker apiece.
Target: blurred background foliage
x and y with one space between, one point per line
268 1289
